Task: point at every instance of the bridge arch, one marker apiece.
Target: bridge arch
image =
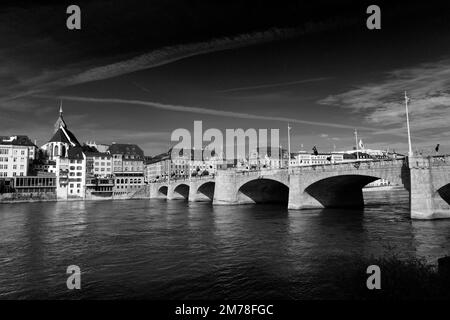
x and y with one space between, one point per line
181 191
340 190
444 193
206 190
263 190
162 191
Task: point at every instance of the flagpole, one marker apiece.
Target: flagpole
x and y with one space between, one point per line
356 142
410 153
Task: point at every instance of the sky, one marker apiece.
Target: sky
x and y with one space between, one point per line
138 70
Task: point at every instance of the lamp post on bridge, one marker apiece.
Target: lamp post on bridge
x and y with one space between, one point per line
410 153
289 145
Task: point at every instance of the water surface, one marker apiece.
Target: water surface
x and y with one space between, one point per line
157 249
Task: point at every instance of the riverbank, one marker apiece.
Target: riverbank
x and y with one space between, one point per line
27 197
51 196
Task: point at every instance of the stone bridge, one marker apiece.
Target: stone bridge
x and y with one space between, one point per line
194 189
318 186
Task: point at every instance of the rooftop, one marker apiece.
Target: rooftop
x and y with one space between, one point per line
127 149
18 140
64 135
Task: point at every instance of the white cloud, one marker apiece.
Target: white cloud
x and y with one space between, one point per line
199 110
383 103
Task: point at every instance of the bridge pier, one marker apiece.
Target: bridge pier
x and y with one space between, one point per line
298 198
426 181
226 189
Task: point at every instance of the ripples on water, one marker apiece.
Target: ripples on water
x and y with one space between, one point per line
177 250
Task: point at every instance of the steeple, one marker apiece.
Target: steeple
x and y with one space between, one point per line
60 122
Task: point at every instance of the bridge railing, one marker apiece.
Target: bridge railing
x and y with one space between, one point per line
363 164
432 150
373 164
252 172
439 160
184 178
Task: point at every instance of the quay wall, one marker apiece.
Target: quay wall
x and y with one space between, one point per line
27 197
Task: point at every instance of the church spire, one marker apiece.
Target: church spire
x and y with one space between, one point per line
60 122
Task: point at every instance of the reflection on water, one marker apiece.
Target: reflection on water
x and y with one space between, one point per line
157 249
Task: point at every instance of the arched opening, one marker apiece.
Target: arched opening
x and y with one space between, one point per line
340 191
163 190
444 192
63 151
56 152
181 191
206 191
263 191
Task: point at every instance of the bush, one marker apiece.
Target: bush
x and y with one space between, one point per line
401 279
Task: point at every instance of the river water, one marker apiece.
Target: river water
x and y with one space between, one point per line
157 249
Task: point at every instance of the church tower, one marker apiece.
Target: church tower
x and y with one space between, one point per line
62 140
60 122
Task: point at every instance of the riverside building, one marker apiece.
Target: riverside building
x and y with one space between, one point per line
16 155
128 168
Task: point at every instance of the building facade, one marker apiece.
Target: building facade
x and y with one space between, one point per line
16 156
128 168
99 164
65 151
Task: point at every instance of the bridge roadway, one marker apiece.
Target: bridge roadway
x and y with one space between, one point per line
321 186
